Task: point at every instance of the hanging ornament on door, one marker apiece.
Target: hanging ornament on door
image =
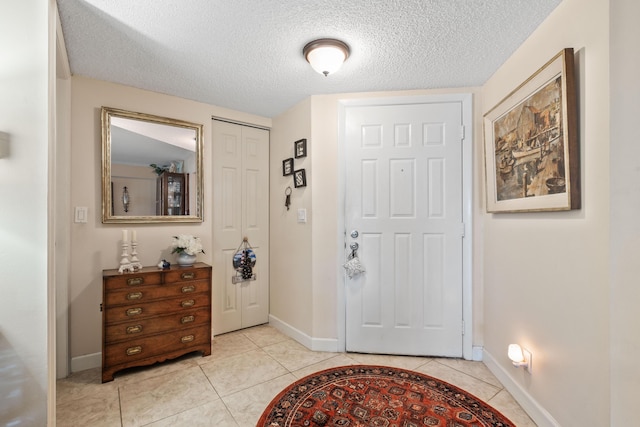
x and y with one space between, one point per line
243 262
353 266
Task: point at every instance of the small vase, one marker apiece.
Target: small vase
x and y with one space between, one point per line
186 260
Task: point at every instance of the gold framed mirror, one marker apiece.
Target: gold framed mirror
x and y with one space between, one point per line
151 168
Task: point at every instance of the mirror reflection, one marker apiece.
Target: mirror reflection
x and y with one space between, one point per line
151 168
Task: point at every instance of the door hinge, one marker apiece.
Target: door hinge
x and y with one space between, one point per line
463 328
462 229
462 133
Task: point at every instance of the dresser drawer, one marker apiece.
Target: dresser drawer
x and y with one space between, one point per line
132 280
145 293
135 310
143 327
187 274
138 349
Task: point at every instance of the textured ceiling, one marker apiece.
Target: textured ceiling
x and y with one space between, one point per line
247 54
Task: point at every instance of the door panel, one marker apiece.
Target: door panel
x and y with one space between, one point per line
240 209
404 196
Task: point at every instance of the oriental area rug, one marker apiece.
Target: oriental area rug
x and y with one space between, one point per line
377 396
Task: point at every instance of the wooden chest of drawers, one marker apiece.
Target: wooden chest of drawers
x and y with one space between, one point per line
153 315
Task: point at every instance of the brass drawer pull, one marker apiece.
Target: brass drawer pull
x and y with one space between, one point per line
134 281
134 350
187 338
134 329
187 319
188 303
188 276
134 311
187 289
134 295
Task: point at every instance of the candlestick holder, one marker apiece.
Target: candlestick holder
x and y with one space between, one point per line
125 264
135 262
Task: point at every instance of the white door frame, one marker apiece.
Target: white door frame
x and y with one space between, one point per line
466 100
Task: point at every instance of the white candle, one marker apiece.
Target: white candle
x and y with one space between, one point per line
125 235
134 236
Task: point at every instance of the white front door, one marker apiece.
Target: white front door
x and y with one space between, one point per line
240 209
404 199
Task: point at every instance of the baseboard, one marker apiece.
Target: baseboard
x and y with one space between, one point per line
538 414
315 344
476 353
87 361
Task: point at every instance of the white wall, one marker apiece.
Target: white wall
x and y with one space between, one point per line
95 246
625 205
24 116
60 206
291 300
546 275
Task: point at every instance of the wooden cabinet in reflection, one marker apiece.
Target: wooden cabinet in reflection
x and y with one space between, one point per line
172 194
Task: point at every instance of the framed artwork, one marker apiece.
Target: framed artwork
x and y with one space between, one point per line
300 148
299 178
287 166
531 143
176 166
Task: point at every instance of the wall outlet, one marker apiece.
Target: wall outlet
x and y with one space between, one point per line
528 359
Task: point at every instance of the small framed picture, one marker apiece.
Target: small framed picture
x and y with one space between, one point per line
176 166
287 166
299 178
300 148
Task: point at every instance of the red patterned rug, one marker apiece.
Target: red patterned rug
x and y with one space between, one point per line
377 396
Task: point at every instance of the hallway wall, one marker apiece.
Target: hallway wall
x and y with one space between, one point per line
625 204
546 275
96 246
317 245
25 115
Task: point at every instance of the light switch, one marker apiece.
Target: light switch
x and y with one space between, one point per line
302 215
82 212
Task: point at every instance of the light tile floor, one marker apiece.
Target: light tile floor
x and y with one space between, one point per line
232 387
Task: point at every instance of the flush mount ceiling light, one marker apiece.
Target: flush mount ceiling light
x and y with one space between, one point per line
326 55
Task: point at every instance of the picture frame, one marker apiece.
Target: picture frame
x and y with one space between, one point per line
300 148
176 166
287 166
299 178
531 144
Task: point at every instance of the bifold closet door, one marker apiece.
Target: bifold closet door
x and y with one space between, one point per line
240 209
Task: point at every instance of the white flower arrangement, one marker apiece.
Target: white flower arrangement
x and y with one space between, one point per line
185 243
